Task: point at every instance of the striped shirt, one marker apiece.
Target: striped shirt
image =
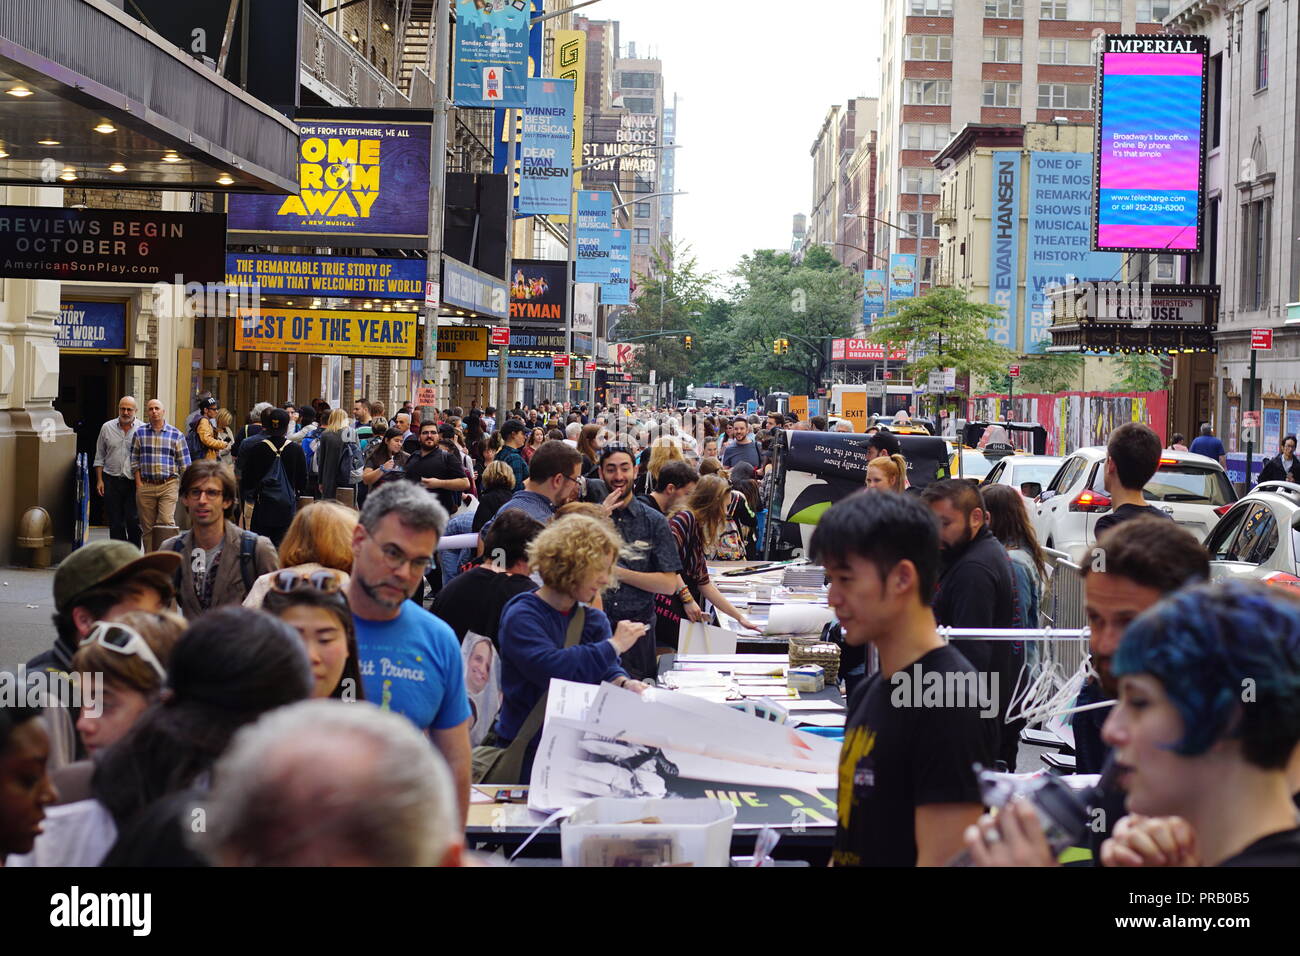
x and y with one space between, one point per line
158 455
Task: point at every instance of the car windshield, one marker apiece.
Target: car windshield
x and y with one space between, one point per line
1189 483
1041 474
973 465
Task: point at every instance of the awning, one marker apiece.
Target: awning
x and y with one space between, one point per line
91 97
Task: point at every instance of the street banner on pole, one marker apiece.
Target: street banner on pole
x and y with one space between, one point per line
874 283
491 54
1004 245
571 64
902 275
617 288
594 235
546 184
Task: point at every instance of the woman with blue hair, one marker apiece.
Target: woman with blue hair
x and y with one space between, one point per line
1207 721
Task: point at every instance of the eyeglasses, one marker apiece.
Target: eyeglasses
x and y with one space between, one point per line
395 557
288 581
123 640
213 493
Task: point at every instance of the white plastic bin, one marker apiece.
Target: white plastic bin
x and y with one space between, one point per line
695 832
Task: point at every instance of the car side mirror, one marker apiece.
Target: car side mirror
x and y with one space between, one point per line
1045 496
1032 489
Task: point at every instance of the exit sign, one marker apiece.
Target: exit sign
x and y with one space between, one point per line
1014 371
1261 339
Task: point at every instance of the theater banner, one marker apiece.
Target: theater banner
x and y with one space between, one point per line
327 332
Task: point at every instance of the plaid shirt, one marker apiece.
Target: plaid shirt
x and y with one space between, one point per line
159 455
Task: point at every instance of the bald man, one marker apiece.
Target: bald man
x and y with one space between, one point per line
159 456
113 475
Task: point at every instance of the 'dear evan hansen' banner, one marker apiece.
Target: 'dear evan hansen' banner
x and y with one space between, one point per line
546 151
357 181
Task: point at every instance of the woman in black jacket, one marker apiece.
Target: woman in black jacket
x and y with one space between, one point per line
1285 467
498 485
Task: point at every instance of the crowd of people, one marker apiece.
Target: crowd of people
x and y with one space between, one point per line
374 608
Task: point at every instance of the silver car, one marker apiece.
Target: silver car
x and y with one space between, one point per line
1258 536
1028 474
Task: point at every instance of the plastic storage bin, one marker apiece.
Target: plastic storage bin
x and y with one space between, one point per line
694 832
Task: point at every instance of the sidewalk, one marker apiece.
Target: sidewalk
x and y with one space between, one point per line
26 607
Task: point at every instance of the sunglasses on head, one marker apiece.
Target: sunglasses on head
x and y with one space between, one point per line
286 582
124 640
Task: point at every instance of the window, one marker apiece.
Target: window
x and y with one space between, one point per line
1165 268
1002 49
1261 49
1053 10
924 136
1064 96
1005 9
919 180
927 92
643 185
1211 254
1153 11
1067 52
931 8
1001 94
1215 97
638 81
925 271
929 48
642 210
919 224
1257 539
642 237
1255 254
639 104
1108 10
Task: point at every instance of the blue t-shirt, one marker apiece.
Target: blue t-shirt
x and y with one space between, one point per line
412 666
532 636
1207 445
737 452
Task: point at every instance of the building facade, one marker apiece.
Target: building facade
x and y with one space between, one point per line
1034 62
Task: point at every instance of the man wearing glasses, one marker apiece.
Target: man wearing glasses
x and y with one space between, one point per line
553 480
410 660
220 560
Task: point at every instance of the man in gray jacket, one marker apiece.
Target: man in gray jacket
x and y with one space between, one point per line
220 561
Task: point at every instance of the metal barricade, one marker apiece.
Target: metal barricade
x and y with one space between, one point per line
1062 606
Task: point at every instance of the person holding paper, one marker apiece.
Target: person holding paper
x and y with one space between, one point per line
906 789
574 556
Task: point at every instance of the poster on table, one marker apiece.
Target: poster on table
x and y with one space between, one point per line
1058 241
91 327
608 742
490 53
1004 246
336 276
902 275
363 183
595 211
617 287
546 152
327 332
1150 140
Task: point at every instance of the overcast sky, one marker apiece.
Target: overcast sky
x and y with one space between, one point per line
754 81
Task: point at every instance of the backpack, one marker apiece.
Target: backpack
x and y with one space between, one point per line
350 462
247 558
309 443
192 441
275 488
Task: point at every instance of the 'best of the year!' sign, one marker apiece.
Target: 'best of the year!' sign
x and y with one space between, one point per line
327 332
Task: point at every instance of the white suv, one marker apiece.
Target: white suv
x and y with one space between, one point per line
1259 537
1191 489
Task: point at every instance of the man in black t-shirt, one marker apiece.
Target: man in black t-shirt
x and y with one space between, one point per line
1132 457
437 467
473 600
906 788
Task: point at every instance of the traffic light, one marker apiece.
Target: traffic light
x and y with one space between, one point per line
785 346
776 346
689 343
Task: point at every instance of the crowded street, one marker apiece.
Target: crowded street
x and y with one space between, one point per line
430 437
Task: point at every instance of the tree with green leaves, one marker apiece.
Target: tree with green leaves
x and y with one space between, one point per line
943 329
1046 372
1142 373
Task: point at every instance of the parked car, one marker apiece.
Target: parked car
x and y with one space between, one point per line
1029 474
1258 536
1191 489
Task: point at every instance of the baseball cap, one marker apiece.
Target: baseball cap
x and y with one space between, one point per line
209 402
94 564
